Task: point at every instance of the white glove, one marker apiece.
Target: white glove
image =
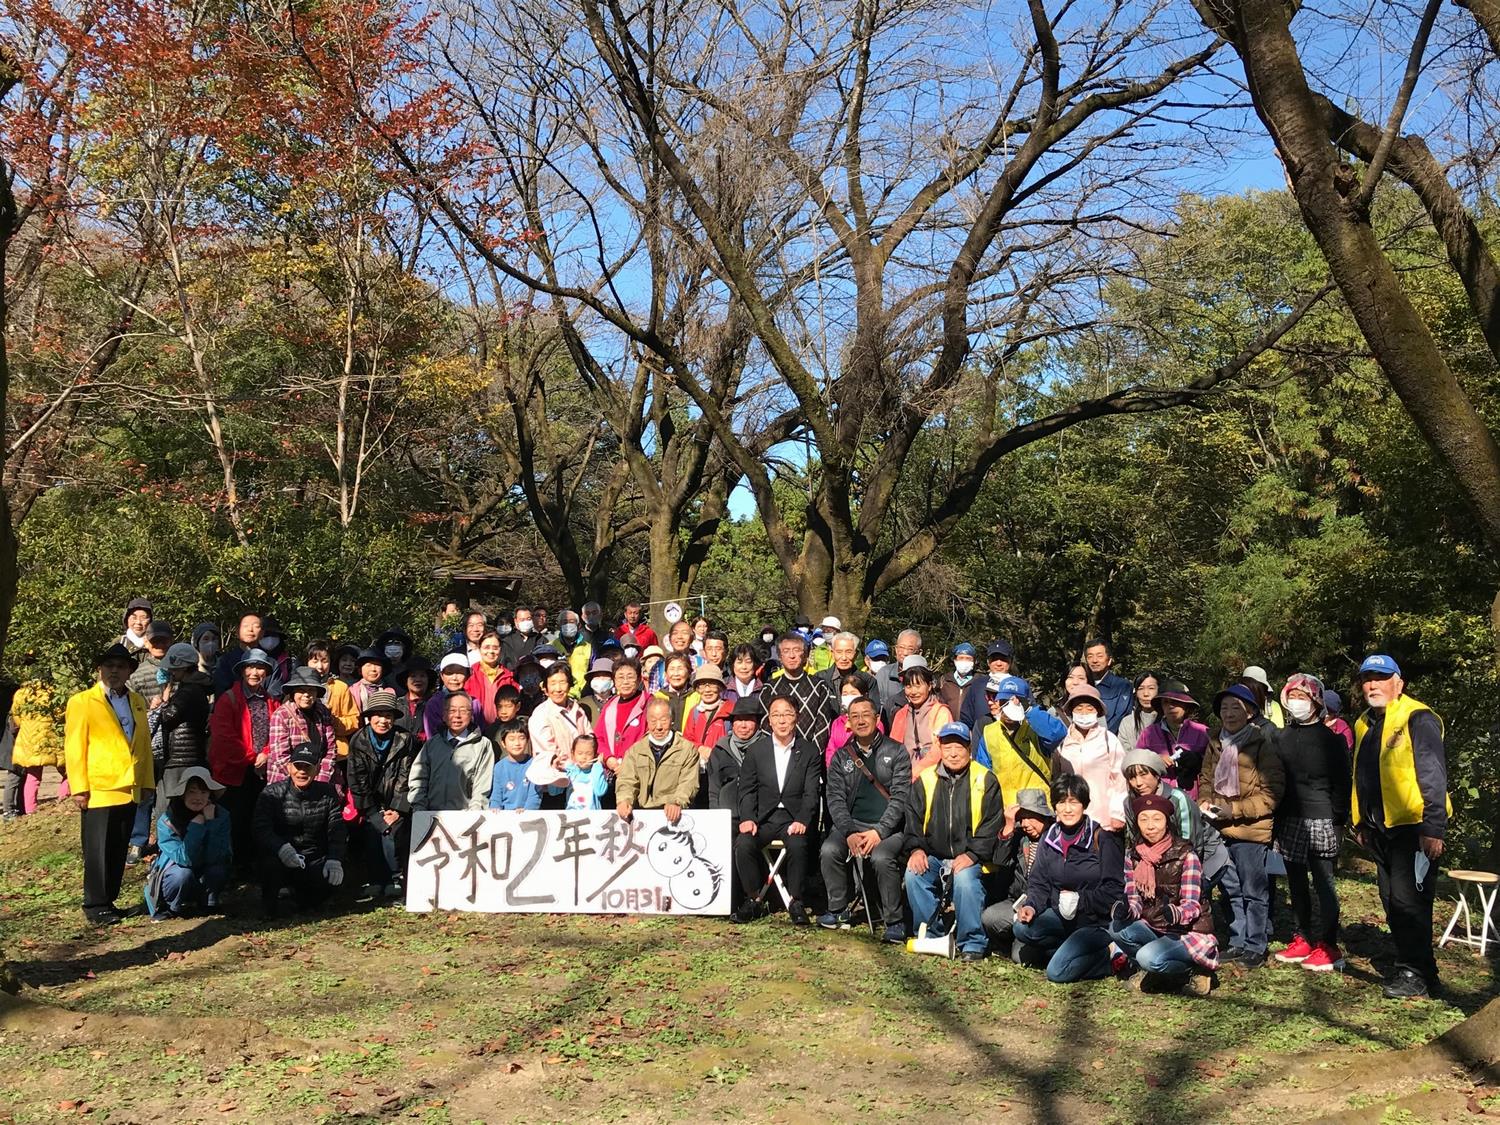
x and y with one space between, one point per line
333 871
290 857
1067 904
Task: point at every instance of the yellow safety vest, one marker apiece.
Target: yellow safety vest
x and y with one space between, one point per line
977 774
1399 791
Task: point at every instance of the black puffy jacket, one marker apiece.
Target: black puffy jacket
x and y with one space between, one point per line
311 820
379 783
184 723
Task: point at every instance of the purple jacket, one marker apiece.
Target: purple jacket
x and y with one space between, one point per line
1183 754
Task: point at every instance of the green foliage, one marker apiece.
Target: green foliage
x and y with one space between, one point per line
82 559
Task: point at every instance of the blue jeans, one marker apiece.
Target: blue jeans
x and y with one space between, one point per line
1153 952
1248 888
145 809
1073 953
968 903
183 889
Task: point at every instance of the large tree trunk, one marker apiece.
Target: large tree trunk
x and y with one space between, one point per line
1333 208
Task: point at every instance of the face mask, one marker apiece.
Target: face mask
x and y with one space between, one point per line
1299 709
569 631
767 638
963 666
877 664
270 644
820 641
209 648
591 621
631 652
844 701
547 663
393 651
602 685
1085 722
502 630
1014 711
524 626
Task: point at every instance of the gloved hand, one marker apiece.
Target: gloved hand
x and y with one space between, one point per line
333 871
290 857
1067 904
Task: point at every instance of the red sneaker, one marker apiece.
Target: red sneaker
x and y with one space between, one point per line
1324 958
1297 952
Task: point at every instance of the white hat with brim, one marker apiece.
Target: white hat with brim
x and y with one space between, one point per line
187 775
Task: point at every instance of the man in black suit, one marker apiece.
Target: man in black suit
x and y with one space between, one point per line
778 800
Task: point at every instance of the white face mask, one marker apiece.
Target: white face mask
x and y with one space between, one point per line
963 666
845 700
1013 711
524 626
876 664
546 662
503 630
820 641
1299 709
1085 721
393 651
601 685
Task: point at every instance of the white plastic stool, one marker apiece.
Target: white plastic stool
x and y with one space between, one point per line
1482 881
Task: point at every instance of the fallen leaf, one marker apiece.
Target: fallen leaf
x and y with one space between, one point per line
226 1107
1097 1064
429 1025
344 1093
390 1100
1474 1106
301 1069
384 1091
553 1060
68 1105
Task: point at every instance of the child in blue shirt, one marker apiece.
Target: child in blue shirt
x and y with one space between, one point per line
587 780
510 789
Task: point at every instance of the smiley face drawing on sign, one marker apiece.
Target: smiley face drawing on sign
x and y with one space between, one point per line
675 852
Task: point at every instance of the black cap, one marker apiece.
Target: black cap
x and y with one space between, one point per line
116 651
159 631
747 707
306 754
1000 648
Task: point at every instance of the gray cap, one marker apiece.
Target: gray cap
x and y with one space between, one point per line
180 656
1140 756
1033 801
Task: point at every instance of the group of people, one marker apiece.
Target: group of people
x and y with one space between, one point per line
1086 838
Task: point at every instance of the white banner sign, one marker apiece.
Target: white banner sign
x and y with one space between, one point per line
501 861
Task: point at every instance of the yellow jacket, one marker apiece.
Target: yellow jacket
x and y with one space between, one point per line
1400 788
100 761
346 716
37 740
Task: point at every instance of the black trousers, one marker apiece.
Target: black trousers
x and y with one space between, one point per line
1320 871
106 837
884 863
1408 910
309 885
750 865
239 802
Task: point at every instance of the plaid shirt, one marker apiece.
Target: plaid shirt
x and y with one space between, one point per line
1203 948
288 728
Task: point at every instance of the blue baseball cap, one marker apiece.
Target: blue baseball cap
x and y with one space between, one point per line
1380 665
1240 692
1007 686
877 648
963 648
959 731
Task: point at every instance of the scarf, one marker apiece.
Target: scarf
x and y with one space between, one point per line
133 639
1147 856
1227 772
381 745
738 746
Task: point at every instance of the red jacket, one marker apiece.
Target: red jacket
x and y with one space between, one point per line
482 690
705 728
230 752
620 728
645 636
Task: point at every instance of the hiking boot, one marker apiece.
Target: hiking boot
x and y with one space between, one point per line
1199 984
1405 985
748 911
1251 961
1324 958
132 855
972 955
895 934
832 921
105 916
798 913
1297 952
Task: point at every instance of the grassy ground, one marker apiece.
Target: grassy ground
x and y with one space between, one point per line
380 1015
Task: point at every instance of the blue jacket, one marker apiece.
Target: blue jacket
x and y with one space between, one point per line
1116 693
205 845
510 789
1094 867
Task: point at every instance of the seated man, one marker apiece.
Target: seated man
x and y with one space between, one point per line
300 834
660 771
869 784
778 800
1025 821
953 826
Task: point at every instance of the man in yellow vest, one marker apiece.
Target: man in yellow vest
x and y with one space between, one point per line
953 826
108 750
1400 814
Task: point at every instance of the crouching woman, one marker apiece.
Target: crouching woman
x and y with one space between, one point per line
1164 925
193 835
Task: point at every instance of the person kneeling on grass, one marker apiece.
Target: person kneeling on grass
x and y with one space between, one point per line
300 834
1076 878
1164 923
953 824
193 834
